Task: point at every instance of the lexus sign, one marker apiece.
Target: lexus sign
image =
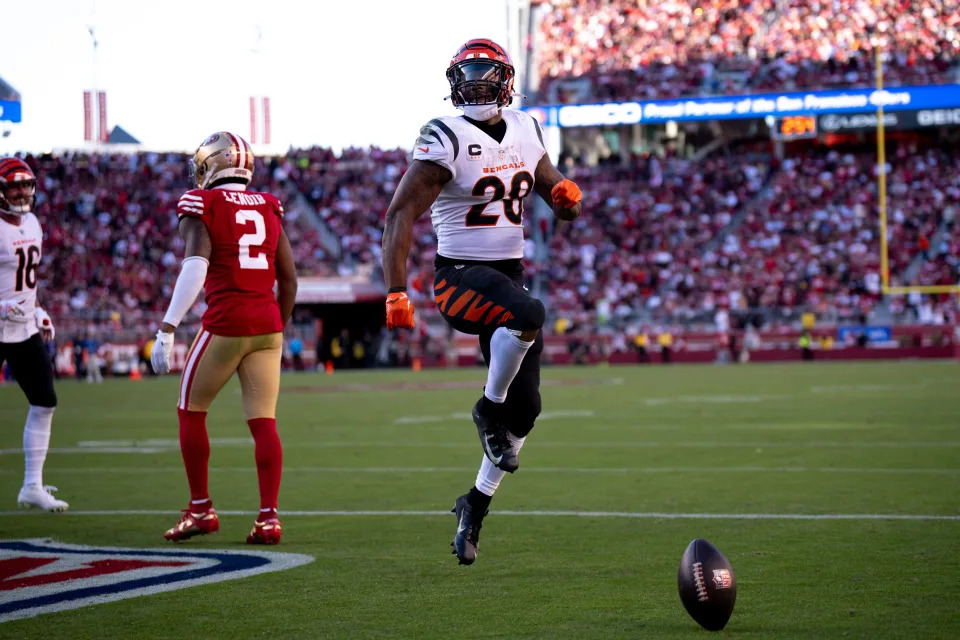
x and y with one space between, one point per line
843 123
858 121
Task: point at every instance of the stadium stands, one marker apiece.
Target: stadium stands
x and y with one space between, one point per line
665 239
112 251
596 50
808 241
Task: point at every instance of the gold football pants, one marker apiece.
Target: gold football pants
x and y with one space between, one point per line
212 360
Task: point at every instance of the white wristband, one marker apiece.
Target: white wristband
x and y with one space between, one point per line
193 273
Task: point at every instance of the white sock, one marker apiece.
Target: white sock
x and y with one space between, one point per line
489 476
36 441
506 354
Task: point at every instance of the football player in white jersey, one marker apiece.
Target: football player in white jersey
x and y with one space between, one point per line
475 171
22 323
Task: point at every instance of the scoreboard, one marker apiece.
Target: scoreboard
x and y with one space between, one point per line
794 127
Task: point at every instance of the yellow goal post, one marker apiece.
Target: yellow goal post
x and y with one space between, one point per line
882 193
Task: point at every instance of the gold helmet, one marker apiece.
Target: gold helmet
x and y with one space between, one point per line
223 155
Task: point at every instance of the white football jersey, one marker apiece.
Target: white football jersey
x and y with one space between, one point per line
479 213
19 259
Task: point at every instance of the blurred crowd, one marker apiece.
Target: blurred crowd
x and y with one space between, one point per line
812 241
645 221
641 49
659 239
349 193
111 247
666 238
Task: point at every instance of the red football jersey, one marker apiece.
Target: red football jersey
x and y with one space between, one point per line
244 228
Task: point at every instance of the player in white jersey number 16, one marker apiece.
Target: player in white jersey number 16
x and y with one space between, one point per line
24 325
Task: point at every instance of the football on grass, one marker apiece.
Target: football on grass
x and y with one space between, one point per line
708 588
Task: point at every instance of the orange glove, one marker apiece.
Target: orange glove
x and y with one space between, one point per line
399 311
566 194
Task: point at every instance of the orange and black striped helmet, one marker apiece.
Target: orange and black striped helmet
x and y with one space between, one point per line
14 171
481 72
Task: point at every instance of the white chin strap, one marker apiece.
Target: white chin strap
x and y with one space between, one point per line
480 112
20 210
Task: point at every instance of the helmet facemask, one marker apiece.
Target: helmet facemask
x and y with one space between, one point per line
197 174
18 197
479 81
192 174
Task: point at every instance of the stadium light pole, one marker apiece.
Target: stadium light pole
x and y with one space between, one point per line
94 101
257 89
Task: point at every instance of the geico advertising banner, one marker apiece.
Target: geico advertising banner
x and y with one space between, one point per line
835 123
845 101
937 117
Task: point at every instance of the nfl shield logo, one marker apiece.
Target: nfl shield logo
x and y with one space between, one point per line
722 579
41 576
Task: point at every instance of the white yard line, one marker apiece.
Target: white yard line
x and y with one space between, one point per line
712 399
91 450
539 513
571 445
546 415
871 388
531 469
726 444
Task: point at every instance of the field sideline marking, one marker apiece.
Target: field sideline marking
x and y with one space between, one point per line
846 388
546 415
613 470
719 399
542 513
555 444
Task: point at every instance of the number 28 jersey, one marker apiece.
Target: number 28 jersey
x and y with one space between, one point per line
19 258
479 213
244 228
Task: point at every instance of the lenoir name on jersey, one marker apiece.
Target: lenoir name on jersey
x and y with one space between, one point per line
479 213
243 199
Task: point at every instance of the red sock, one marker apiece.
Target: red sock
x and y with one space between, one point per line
269 456
195 449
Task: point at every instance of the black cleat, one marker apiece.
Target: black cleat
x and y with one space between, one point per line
467 538
493 437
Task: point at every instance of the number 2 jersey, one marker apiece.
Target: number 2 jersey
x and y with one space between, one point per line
479 213
20 247
244 228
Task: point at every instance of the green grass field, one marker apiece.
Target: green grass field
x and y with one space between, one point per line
663 454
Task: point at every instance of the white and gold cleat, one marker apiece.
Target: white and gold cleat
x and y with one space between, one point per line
40 496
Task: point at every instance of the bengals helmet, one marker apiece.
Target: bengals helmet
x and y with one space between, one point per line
222 156
15 173
481 72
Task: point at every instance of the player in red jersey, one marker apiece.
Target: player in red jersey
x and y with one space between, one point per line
235 249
